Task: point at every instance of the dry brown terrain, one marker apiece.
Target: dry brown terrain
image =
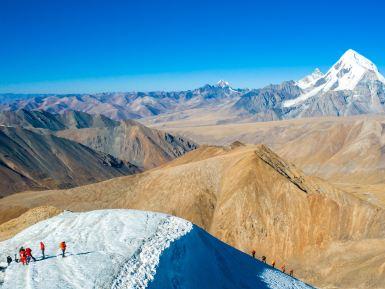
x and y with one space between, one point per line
29 218
250 198
127 140
132 142
34 161
347 151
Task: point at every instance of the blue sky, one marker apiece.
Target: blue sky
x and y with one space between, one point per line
88 46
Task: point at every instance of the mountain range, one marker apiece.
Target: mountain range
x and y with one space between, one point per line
40 150
353 85
121 106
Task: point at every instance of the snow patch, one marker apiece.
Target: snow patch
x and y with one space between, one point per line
275 279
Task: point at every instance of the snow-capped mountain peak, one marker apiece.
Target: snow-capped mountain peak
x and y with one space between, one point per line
310 79
350 69
345 74
352 58
222 83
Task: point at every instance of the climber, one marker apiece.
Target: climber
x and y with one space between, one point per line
253 253
291 272
21 251
273 264
63 247
42 248
9 260
23 258
264 259
28 254
283 268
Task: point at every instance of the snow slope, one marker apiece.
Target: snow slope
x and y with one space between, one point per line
133 249
309 80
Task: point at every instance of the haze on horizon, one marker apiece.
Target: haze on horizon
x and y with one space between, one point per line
99 46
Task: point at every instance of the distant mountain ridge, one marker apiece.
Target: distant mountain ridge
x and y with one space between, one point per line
131 105
352 86
127 140
54 122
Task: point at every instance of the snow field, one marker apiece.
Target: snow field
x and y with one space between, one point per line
99 244
127 249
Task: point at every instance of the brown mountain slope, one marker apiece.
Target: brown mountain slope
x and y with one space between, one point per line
29 218
51 121
127 140
250 198
30 160
133 142
349 151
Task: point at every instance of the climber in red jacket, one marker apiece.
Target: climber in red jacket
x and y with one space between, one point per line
42 248
28 255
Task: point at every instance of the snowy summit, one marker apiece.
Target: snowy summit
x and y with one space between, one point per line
350 70
222 83
133 249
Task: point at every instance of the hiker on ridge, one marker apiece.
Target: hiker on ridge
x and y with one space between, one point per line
42 248
63 247
273 264
253 253
28 254
264 259
23 258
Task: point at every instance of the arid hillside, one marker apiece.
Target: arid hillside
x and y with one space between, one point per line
252 199
133 142
348 151
45 120
29 218
127 140
31 160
